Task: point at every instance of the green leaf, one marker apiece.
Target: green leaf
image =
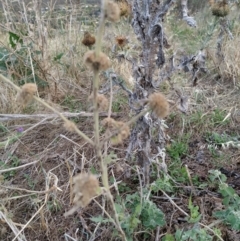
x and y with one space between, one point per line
195 215
100 219
110 158
58 57
14 39
168 237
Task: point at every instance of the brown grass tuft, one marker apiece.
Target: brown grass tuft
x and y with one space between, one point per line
112 11
88 39
101 62
158 104
86 186
26 94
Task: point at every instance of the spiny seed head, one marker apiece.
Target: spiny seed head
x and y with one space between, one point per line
85 187
112 12
88 39
122 130
121 41
158 104
220 9
96 63
26 93
69 126
109 122
102 101
125 9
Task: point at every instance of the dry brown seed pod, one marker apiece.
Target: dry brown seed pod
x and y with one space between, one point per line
86 186
112 12
26 93
88 39
125 9
69 126
97 63
102 101
121 41
220 9
158 104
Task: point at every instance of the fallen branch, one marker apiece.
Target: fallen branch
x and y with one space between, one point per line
9 117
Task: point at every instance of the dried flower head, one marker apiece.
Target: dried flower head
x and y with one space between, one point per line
88 39
86 186
122 130
26 93
112 11
102 101
125 9
158 104
69 126
96 63
220 9
121 41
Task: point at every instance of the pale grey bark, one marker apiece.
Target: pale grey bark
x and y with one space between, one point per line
190 20
145 146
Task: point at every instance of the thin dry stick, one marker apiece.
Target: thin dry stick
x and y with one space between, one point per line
29 191
7 117
70 182
111 99
19 167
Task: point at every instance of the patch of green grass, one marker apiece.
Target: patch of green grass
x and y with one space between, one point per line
72 104
14 162
3 130
176 151
218 118
119 102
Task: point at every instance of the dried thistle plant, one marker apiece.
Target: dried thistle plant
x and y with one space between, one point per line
26 93
158 104
97 63
112 11
122 130
102 101
88 39
85 187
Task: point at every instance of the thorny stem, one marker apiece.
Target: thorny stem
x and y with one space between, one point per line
80 133
96 122
100 29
